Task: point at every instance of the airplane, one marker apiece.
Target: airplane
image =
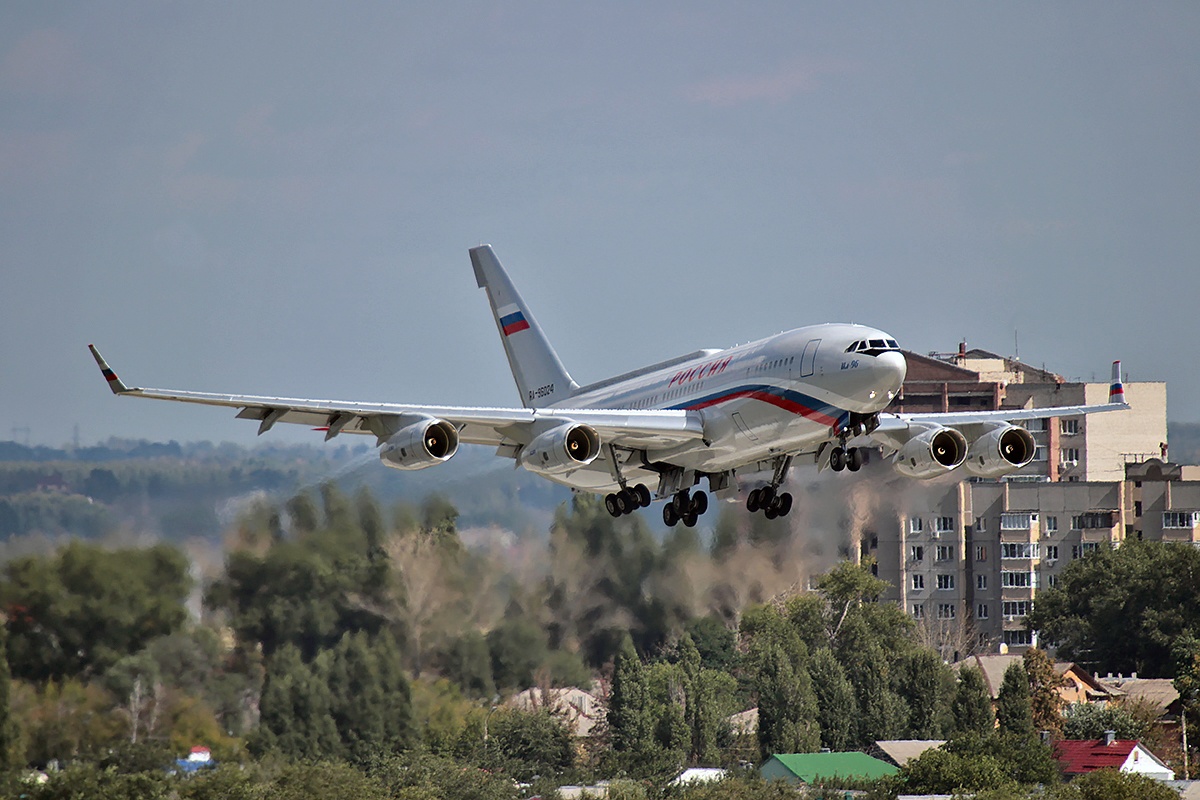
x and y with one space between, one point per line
816 394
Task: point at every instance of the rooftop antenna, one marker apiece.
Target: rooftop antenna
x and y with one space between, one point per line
1016 344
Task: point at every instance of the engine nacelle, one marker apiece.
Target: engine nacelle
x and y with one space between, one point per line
419 445
932 453
1000 451
559 450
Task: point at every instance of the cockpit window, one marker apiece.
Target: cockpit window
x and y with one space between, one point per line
873 347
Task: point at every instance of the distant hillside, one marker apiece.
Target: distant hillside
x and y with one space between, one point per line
176 491
1184 438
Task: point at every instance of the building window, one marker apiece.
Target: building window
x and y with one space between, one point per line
1093 520
918 611
1018 638
944 524
1017 522
1081 550
1016 609
918 582
981 552
981 582
1018 550
916 553
1039 453
1180 519
1035 425
980 524
1070 455
944 552
947 611
1051 524
945 582
1052 552
916 525
981 611
1137 508
1052 581
1069 427
1017 580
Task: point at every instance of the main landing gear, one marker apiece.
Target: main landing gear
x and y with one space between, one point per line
685 507
627 500
841 458
768 499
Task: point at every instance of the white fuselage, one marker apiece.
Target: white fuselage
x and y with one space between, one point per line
784 394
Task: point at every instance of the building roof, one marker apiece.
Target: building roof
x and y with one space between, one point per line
993 668
810 767
581 710
744 722
1158 692
699 775
1077 756
901 751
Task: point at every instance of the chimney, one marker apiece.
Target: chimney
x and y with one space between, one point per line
1044 736
1109 738
1133 676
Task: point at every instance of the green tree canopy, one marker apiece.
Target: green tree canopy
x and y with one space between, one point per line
1013 709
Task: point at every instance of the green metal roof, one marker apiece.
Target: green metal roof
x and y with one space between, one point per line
810 767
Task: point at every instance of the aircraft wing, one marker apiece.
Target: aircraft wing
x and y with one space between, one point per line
490 426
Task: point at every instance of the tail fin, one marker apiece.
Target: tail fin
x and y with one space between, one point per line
540 376
1116 390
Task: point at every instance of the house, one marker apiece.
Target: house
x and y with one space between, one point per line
199 758
582 711
1157 693
1076 757
812 767
744 723
901 751
699 775
1079 687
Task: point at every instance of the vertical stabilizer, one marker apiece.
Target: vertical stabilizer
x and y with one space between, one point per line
540 376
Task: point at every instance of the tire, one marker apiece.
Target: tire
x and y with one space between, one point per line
699 503
770 512
610 505
643 495
632 501
669 515
837 459
682 502
690 520
785 504
765 496
752 501
854 459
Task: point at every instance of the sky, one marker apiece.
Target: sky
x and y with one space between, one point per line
278 197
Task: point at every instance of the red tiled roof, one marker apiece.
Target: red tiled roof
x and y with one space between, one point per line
1088 755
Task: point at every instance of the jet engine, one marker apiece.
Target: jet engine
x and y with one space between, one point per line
560 450
420 444
1000 451
932 453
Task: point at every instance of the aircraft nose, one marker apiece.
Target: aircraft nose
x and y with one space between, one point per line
891 369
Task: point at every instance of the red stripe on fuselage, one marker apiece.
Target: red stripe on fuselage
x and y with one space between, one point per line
775 400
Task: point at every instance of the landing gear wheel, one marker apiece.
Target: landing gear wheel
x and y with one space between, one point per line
765 496
752 503
854 459
610 505
643 495
690 520
632 501
669 515
769 512
682 502
784 502
699 503
837 459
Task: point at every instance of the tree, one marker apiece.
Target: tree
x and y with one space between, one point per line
1044 699
1109 784
941 771
10 731
1087 614
971 709
518 647
296 710
787 706
1013 710
531 743
79 611
922 684
630 719
469 664
1091 720
836 706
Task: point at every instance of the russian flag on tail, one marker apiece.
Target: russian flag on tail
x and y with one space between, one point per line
512 319
1116 391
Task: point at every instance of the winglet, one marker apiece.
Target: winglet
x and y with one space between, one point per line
1116 391
114 382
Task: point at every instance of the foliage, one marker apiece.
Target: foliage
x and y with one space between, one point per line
1014 712
836 704
422 776
1091 720
938 771
1023 758
787 705
1045 702
76 613
1109 784
971 709
1090 614
530 743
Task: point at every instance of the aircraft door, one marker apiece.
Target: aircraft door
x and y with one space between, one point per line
808 359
